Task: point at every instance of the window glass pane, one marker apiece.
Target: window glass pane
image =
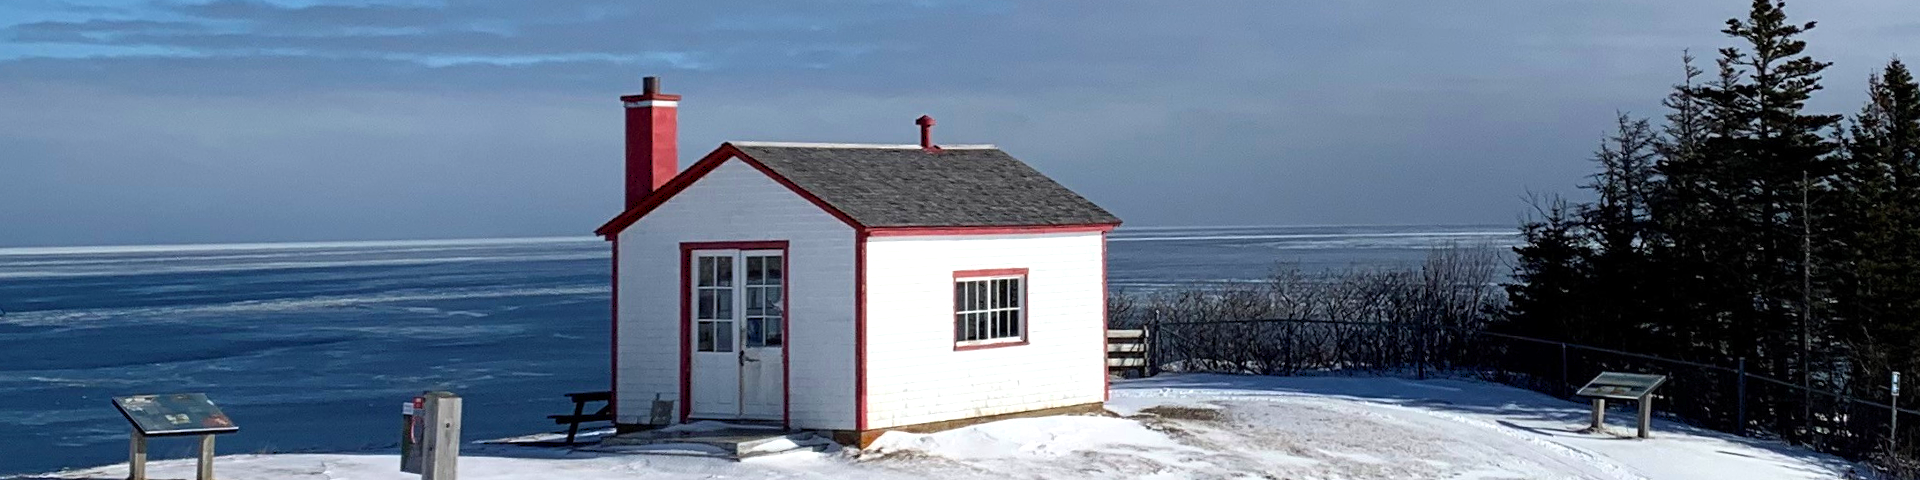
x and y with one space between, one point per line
1014 298
706 272
959 299
1015 317
755 335
723 336
959 327
774 334
704 339
704 308
1000 290
755 275
985 322
755 305
723 271
774 267
976 325
723 304
967 323
996 328
774 306
976 296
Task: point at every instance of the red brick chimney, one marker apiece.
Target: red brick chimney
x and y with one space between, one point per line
653 153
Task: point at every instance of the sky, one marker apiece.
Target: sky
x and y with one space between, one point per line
173 121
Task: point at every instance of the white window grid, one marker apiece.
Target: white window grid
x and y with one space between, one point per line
989 310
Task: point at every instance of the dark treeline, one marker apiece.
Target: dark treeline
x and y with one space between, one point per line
1741 225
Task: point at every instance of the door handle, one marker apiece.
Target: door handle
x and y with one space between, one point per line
744 359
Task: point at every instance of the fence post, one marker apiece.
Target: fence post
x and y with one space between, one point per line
1420 355
1152 355
1740 417
1893 433
1565 389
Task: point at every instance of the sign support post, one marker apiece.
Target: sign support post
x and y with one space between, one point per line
1893 433
137 456
1646 416
1599 415
204 471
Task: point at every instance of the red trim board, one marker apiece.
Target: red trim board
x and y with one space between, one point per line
613 401
1106 378
988 230
699 170
1025 306
860 330
727 151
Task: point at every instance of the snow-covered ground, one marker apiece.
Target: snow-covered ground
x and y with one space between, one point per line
1179 426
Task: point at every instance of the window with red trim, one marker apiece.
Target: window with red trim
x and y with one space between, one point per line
989 308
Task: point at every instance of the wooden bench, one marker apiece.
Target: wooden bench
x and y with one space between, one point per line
580 400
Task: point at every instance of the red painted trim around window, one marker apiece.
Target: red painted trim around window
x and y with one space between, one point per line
686 319
613 401
860 331
1026 310
786 339
995 230
686 333
700 169
994 272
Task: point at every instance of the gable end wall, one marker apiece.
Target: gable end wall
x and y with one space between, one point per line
736 202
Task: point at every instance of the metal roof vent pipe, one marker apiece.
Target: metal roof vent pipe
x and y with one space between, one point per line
926 133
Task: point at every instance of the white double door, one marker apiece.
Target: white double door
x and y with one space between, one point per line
739 334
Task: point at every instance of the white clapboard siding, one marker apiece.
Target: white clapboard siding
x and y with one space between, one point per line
915 376
736 202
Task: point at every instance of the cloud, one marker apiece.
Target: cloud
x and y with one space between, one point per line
251 120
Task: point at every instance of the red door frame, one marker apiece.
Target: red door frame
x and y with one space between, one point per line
686 321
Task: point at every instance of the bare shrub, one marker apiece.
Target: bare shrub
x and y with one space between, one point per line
1207 328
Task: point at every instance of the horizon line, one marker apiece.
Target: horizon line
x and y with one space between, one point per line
300 244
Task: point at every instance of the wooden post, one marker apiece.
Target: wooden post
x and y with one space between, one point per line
1420 356
1563 371
1893 432
1599 415
1148 351
1646 416
1740 417
205 470
137 456
443 436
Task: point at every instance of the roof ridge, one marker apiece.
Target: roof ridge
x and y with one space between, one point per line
880 146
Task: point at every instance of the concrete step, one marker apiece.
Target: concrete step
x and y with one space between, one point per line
723 441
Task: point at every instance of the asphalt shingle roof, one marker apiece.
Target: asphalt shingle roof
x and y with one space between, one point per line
890 186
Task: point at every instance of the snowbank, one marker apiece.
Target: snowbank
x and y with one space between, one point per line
1176 426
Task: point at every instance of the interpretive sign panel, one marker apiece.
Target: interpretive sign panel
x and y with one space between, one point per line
174 414
1621 386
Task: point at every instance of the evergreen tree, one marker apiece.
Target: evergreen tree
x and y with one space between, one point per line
1876 224
1547 298
1770 156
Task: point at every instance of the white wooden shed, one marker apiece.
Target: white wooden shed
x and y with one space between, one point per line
852 288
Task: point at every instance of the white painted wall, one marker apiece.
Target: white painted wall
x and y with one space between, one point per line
735 202
913 373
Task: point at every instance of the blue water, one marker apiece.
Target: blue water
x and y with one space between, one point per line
312 347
